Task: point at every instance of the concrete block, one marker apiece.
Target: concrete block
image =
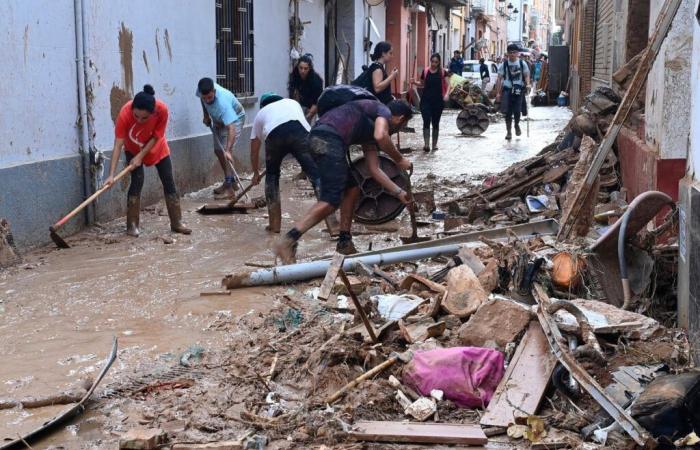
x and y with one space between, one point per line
141 439
495 324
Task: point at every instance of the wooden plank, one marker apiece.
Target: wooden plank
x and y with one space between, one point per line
663 24
355 301
419 433
525 381
331 275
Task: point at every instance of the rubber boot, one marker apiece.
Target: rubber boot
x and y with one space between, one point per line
220 190
426 140
517 129
274 212
509 136
172 202
133 210
436 134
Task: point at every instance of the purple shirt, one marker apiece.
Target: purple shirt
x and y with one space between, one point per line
354 121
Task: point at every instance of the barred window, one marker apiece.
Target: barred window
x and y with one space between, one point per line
234 46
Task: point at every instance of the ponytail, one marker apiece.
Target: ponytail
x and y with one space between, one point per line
145 99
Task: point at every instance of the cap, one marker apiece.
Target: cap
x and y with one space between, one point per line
269 97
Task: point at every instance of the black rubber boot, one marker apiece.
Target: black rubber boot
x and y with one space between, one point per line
133 210
509 136
517 129
172 202
436 134
426 140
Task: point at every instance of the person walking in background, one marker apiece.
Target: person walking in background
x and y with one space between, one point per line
457 63
375 78
140 130
484 73
305 86
513 78
434 83
225 116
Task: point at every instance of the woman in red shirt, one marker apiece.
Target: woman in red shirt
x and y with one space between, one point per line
140 130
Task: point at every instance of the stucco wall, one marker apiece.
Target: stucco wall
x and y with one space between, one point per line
312 13
667 101
38 73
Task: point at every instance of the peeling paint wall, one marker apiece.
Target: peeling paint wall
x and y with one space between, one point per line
668 86
39 97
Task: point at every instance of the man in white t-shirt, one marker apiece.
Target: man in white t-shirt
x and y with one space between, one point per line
281 124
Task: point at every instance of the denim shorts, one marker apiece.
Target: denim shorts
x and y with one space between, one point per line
328 150
221 133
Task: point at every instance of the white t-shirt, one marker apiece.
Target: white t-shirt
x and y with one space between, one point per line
276 114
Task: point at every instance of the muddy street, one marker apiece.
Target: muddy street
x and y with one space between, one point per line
61 308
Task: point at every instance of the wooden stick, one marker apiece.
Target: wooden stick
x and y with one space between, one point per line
358 306
370 373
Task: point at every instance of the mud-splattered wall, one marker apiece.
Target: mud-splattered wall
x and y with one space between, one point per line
168 44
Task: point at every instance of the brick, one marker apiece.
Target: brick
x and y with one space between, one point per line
141 439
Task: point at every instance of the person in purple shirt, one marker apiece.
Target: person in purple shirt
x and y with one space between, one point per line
361 122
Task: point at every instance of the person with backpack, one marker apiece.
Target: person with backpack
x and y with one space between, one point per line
432 101
375 78
305 86
513 79
457 63
281 125
358 122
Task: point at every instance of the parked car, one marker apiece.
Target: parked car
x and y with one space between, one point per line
472 72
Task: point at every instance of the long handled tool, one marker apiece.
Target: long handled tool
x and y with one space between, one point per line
230 163
230 207
414 227
58 240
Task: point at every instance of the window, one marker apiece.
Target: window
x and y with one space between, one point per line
234 46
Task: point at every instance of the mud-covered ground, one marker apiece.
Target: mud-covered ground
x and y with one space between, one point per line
61 308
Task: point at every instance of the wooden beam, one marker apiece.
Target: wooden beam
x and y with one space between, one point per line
663 24
419 433
521 390
331 274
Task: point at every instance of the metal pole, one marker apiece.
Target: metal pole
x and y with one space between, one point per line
82 105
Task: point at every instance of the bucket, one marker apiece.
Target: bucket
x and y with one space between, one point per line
561 100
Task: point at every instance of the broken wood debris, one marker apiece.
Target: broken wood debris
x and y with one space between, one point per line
419 433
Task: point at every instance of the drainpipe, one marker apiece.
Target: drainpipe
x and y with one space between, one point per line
79 10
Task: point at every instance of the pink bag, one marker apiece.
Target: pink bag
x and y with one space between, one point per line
467 375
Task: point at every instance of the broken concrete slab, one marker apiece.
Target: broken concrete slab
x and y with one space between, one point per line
422 409
421 330
141 439
495 324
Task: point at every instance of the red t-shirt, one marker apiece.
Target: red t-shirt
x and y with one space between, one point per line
136 135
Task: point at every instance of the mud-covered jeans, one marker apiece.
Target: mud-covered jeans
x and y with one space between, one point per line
165 172
290 137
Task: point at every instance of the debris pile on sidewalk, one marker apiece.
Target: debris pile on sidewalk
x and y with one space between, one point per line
459 350
537 188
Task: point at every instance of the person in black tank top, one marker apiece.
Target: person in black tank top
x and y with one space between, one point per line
432 100
381 81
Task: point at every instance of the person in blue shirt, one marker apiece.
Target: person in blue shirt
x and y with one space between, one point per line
457 63
224 114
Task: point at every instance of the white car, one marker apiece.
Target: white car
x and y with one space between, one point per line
472 72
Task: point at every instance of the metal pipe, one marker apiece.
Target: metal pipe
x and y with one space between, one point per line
314 269
82 104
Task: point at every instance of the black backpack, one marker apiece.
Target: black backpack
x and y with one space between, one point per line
335 96
365 79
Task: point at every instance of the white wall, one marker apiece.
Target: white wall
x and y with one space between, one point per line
191 36
667 104
38 82
272 58
313 39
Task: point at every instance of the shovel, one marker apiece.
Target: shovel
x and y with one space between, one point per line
58 240
414 226
230 207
